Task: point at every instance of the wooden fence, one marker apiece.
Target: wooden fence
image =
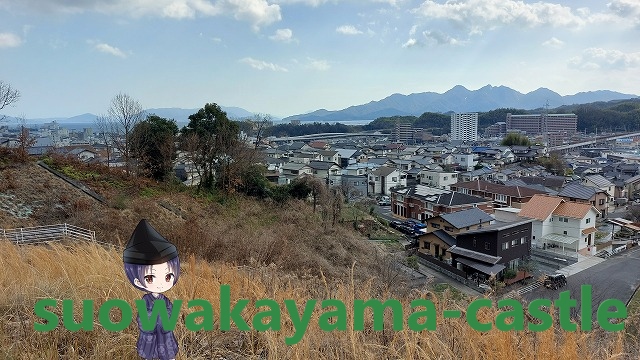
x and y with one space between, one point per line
47 233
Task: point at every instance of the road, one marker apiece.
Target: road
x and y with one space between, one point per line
616 278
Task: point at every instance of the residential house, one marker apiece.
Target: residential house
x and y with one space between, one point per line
438 178
384 178
330 155
632 187
328 171
603 184
564 224
478 174
422 202
304 157
354 186
491 249
587 194
501 195
466 161
292 171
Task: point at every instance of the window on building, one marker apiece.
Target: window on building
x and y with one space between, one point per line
448 228
486 246
564 232
501 198
588 220
514 242
523 240
505 245
427 245
394 179
437 226
601 201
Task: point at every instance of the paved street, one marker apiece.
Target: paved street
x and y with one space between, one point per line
615 278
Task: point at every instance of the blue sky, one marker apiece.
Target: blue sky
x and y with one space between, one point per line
286 57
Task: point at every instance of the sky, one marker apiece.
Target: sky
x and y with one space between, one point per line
289 57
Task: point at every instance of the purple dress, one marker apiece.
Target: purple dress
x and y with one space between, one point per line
157 344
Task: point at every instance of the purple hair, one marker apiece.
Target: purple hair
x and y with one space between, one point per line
135 271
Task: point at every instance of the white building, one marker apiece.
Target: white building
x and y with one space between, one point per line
464 126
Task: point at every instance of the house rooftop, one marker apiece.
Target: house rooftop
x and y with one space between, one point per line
464 218
445 237
497 226
540 207
489 259
578 191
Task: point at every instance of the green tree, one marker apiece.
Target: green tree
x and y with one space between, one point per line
515 139
153 144
213 145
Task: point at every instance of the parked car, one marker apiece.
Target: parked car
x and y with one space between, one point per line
384 200
394 224
555 281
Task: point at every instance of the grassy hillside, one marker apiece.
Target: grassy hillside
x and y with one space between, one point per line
93 272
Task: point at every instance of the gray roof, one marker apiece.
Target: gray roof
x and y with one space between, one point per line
322 165
598 180
442 235
578 191
464 218
499 225
456 198
383 171
294 166
489 259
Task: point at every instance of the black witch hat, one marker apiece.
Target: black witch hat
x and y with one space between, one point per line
147 247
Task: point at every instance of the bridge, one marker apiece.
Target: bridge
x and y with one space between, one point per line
592 142
324 136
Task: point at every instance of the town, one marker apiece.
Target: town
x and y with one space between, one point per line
531 195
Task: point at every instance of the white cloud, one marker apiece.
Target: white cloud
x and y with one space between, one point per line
262 65
320 65
554 43
598 58
8 40
626 8
348 30
284 35
441 38
410 43
257 12
108 49
492 13
413 30
313 3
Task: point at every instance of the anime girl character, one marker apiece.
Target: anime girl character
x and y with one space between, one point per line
151 264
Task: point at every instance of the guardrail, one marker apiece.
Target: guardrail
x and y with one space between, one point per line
47 233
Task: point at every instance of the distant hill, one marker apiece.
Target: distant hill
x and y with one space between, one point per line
458 99
178 114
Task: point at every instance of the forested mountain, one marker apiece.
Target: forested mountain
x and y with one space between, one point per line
617 115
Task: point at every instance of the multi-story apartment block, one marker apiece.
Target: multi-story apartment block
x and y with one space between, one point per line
464 126
534 124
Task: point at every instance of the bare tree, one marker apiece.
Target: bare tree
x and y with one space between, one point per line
261 122
25 141
124 113
8 96
104 133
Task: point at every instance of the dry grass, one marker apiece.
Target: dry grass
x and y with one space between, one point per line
87 271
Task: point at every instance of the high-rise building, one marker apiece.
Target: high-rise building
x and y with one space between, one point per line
464 126
403 133
535 124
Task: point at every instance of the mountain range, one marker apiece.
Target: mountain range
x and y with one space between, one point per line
180 115
458 99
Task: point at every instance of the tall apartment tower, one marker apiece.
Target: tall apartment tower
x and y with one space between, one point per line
464 126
